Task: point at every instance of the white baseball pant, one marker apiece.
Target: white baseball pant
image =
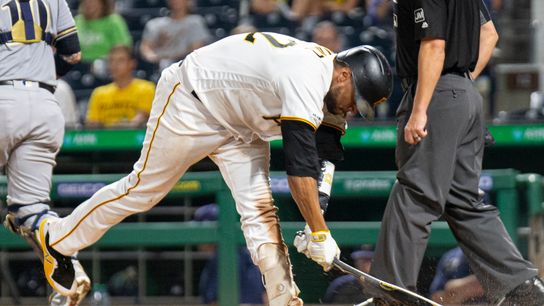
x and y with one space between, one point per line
180 132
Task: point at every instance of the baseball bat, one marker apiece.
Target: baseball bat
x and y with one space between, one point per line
383 289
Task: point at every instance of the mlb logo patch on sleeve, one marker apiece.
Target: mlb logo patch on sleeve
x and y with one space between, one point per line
419 16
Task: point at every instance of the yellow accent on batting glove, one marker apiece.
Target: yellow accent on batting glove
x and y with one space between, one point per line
323 249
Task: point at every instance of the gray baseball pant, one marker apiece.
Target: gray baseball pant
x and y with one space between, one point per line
439 178
31 133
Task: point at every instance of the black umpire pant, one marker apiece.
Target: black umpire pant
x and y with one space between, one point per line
439 177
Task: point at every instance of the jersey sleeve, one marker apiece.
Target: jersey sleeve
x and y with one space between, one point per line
66 25
430 19
299 148
484 13
302 96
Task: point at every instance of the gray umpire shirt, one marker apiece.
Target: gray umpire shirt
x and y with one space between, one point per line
27 56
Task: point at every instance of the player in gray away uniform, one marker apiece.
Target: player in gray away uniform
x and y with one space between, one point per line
31 122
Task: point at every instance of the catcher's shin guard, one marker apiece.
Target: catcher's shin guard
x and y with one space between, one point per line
277 275
83 283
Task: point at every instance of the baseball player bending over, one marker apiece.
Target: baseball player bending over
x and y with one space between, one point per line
226 101
38 42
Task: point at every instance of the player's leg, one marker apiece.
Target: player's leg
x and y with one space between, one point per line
179 133
481 234
31 145
29 148
245 168
419 196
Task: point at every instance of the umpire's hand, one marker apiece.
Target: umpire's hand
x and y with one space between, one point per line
323 249
415 130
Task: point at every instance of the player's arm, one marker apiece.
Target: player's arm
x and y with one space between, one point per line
431 56
488 40
66 41
302 167
430 63
68 52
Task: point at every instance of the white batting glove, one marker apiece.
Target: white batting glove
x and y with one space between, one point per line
302 238
323 249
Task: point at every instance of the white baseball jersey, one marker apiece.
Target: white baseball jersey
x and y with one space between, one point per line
250 94
245 84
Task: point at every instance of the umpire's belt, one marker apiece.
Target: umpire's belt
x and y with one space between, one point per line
407 82
47 87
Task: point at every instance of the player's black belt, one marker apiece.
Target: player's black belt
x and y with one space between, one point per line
47 87
407 82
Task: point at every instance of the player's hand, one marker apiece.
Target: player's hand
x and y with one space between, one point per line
415 130
302 239
323 249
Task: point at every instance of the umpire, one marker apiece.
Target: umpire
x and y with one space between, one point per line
38 43
441 46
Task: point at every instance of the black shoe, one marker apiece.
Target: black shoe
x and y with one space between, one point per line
529 293
59 269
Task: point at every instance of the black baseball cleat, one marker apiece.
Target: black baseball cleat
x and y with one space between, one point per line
59 269
529 293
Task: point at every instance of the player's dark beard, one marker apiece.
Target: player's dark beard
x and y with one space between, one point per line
330 101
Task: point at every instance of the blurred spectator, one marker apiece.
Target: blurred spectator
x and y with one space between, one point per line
495 7
265 7
347 289
169 39
344 6
251 287
124 282
380 13
126 101
304 8
243 28
68 104
454 283
100 29
326 34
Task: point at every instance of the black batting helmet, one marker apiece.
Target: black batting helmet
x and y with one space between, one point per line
372 77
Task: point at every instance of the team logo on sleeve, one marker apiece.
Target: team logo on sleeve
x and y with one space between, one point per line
419 16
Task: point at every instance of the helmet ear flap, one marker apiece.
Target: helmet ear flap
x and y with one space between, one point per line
365 110
363 107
